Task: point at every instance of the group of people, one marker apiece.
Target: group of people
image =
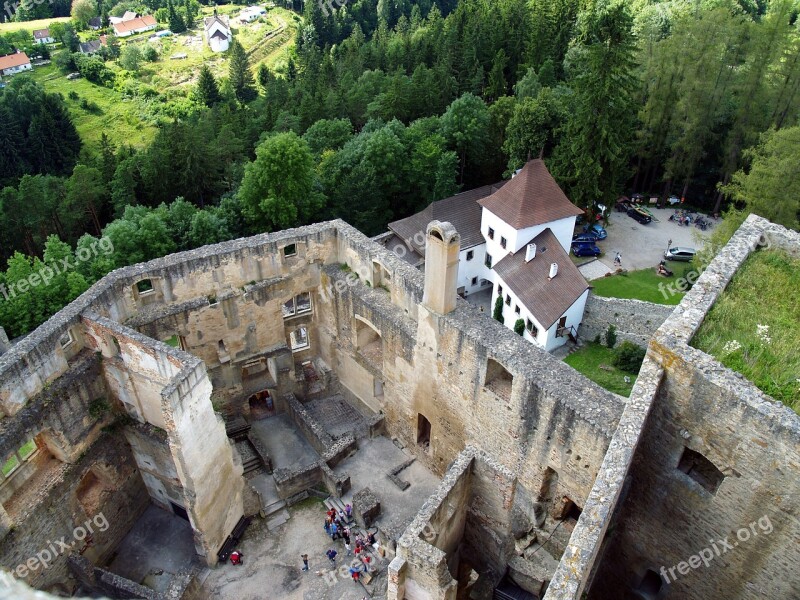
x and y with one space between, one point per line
336 522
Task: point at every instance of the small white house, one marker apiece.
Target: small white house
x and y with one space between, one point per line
136 25
218 33
42 36
251 13
14 63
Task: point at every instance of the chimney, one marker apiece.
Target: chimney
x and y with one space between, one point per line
442 246
530 253
553 270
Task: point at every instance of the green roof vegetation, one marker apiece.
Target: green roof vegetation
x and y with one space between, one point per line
754 327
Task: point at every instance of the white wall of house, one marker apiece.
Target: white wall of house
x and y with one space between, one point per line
510 314
502 230
574 316
472 269
562 229
18 69
47 40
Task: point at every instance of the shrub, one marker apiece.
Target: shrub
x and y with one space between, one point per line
498 310
519 327
73 95
611 336
628 357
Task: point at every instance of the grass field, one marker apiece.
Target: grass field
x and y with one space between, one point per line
643 285
595 361
118 118
754 327
31 25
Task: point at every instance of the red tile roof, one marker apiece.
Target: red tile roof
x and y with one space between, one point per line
40 34
531 198
13 60
134 24
547 299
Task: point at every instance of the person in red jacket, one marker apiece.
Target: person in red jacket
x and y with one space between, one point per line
237 558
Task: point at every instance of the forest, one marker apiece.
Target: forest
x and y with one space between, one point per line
386 106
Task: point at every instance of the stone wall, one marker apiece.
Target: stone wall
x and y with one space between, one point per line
636 321
669 518
103 488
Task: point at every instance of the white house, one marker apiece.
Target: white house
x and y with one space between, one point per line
251 13
218 33
42 36
14 63
515 237
136 25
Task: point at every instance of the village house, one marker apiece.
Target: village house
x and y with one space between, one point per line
515 240
218 33
251 13
91 47
42 36
136 25
14 63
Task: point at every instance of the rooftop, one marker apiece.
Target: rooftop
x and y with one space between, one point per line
530 198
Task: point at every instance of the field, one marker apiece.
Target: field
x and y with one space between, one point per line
754 327
31 25
267 40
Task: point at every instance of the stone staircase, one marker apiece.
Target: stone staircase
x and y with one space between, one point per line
251 461
337 504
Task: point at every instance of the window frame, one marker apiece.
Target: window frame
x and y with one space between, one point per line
470 254
490 233
503 242
293 340
287 253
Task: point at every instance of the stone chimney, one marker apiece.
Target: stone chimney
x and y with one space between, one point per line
530 253
553 270
442 246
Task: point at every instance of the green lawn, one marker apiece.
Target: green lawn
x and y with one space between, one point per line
596 362
754 327
31 25
644 285
119 119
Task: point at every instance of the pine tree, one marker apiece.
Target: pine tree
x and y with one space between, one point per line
191 13
176 23
240 75
207 90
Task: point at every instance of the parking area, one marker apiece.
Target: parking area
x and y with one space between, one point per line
643 246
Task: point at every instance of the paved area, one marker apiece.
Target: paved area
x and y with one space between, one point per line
158 546
482 299
368 468
643 246
595 269
336 416
286 446
272 564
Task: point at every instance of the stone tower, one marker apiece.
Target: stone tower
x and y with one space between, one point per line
442 246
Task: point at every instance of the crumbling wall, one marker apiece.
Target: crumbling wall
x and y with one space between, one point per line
103 488
734 527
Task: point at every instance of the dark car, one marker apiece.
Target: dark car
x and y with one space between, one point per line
679 253
585 249
584 237
597 230
640 216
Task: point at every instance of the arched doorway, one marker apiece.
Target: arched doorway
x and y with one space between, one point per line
261 405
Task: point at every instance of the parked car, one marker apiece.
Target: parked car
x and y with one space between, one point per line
639 215
585 249
680 253
596 230
673 200
584 237
623 205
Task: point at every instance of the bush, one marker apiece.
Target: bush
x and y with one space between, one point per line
498 310
628 357
611 336
73 95
519 327
149 53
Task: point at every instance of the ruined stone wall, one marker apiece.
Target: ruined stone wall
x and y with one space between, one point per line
636 321
669 518
103 487
435 366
